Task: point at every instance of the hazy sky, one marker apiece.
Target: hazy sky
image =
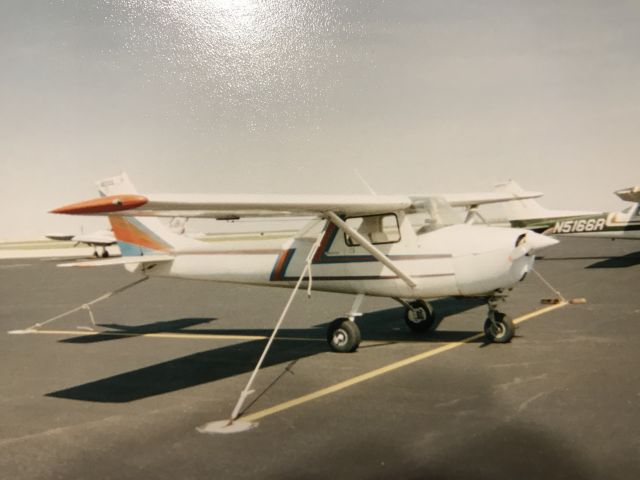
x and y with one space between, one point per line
291 96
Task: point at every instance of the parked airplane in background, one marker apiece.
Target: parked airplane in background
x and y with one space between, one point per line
358 244
99 238
528 213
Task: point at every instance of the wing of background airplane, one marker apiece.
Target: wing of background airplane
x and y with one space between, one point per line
101 238
61 237
484 198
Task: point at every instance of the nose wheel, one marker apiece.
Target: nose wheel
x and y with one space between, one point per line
498 327
343 335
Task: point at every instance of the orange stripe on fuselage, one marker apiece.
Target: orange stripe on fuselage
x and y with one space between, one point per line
328 234
277 271
126 231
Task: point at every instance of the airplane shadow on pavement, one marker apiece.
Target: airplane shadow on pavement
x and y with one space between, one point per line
117 332
625 261
603 261
231 360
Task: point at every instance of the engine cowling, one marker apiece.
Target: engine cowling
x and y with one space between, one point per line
487 258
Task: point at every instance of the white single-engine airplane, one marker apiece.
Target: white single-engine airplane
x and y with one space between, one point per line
358 244
99 238
527 213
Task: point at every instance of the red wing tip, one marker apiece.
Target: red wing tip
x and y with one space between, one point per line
113 203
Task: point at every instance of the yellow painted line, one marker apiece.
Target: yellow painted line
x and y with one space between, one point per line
386 369
540 311
199 336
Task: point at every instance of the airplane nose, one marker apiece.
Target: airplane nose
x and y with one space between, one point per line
539 242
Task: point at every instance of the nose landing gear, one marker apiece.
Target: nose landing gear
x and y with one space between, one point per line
498 327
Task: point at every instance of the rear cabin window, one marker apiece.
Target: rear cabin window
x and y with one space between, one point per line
378 229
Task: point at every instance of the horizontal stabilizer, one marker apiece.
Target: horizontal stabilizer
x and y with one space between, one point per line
106 262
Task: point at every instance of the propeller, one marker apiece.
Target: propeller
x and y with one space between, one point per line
531 243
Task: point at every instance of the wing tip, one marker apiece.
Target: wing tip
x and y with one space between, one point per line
102 205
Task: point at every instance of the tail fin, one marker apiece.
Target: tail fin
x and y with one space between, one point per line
519 209
141 235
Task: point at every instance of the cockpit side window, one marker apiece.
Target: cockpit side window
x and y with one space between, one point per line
378 229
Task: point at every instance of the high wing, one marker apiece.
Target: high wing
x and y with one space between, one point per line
230 206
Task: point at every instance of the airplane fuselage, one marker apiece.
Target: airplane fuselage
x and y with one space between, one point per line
456 260
604 225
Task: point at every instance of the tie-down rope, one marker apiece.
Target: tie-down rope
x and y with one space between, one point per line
247 389
84 306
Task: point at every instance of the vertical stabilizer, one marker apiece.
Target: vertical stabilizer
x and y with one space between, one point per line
519 209
141 235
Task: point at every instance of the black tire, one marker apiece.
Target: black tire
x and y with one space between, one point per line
105 254
343 335
503 330
420 319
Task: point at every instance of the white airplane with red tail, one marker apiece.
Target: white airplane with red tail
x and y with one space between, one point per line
356 244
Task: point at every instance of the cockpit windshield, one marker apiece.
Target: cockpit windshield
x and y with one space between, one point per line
433 213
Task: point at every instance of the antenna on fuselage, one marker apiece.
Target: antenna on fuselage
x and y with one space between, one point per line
364 182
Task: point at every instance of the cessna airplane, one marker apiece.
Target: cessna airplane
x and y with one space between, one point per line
527 213
100 238
357 244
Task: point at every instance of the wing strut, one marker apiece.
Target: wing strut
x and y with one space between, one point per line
232 425
368 246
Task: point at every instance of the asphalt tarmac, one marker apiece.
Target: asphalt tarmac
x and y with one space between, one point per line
562 400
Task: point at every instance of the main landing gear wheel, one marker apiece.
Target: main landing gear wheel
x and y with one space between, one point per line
343 335
420 317
500 328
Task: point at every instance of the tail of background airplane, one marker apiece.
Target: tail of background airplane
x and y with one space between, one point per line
631 194
520 209
141 235
530 214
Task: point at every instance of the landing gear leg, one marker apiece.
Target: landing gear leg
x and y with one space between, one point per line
498 327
